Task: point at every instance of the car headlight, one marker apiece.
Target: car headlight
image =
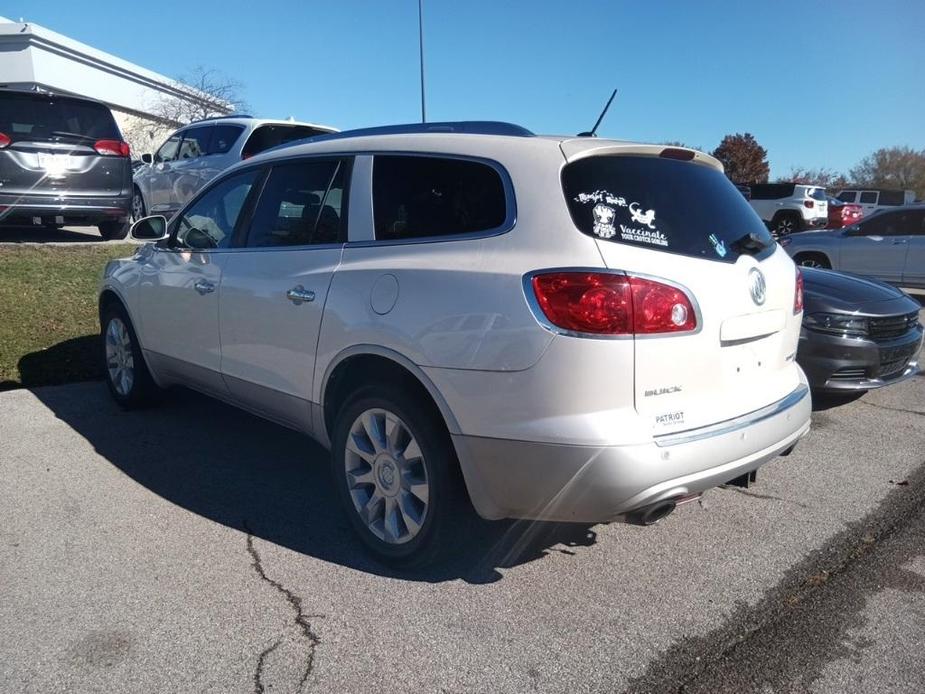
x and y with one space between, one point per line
836 323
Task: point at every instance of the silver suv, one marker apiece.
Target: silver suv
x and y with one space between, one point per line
572 329
198 152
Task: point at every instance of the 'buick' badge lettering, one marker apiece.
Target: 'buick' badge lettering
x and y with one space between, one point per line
756 285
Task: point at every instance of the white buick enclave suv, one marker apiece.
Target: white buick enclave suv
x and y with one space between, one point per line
572 329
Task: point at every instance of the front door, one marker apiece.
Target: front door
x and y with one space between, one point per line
877 249
914 272
274 289
180 285
159 176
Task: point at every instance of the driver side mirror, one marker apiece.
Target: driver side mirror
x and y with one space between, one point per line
147 158
152 228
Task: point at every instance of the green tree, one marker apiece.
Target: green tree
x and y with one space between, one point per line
745 160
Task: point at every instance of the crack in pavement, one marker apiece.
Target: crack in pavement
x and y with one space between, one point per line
258 673
301 619
891 409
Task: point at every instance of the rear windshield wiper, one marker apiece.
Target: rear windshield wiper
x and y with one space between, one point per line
749 244
79 136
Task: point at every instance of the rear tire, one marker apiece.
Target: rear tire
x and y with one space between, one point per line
113 231
812 260
397 475
126 373
139 210
785 223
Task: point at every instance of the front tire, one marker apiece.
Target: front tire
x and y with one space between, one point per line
396 474
127 375
113 231
812 260
139 210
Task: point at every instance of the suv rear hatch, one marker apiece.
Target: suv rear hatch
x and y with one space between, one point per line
54 145
664 217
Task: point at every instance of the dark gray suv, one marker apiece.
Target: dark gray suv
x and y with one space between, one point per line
62 162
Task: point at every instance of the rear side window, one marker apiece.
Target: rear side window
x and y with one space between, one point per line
266 136
772 191
42 117
195 143
817 193
847 195
891 197
868 197
416 197
223 138
663 204
301 205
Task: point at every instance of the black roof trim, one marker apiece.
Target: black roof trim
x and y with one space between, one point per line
468 127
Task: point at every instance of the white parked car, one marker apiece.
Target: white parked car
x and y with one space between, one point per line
198 152
789 207
574 329
873 200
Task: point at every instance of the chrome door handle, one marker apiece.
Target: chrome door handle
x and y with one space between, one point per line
298 294
204 287
899 243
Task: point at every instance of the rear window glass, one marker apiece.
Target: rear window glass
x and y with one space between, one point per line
267 136
817 193
43 117
663 204
415 197
891 197
771 191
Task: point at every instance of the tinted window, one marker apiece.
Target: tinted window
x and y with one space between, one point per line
868 198
210 221
891 197
771 191
300 205
415 197
267 136
43 117
223 138
663 204
168 150
893 224
195 143
817 193
847 195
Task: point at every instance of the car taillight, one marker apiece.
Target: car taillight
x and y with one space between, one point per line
4 140
612 304
808 204
798 293
112 148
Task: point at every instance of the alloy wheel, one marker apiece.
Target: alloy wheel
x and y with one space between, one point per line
120 364
784 226
138 206
811 262
386 476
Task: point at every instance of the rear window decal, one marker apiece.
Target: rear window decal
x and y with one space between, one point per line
646 218
718 246
605 223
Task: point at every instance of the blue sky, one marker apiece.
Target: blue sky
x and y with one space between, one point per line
818 83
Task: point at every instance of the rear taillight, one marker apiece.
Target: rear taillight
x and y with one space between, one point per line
798 293
4 140
808 204
112 148
601 303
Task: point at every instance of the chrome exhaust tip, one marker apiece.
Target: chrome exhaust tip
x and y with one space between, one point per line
652 514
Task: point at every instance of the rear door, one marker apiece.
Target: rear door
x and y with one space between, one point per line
53 145
914 271
274 289
878 248
867 199
684 223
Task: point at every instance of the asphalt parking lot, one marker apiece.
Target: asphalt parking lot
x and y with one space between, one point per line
195 548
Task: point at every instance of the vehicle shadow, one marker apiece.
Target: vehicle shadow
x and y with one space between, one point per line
72 360
41 234
259 478
826 401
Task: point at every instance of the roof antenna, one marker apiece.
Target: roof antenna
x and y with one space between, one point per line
421 44
593 131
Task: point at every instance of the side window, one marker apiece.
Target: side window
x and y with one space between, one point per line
223 138
847 195
891 197
168 150
210 221
917 223
884 224
868 197
195 143
415 197
301 205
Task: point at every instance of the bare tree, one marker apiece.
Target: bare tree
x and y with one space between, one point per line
892 167
205 92
823 177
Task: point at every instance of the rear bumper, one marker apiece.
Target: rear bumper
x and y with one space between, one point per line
520 479
843 364
26 209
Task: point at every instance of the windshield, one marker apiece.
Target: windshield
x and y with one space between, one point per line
44 117
663 204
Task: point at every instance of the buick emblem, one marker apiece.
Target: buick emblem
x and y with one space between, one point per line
756 285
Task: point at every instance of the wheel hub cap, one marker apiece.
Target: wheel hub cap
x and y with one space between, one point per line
386 476
120 364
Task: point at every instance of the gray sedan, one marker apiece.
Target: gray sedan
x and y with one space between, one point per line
889 245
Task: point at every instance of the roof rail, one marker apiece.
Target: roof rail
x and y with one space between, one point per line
469 127
227 115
